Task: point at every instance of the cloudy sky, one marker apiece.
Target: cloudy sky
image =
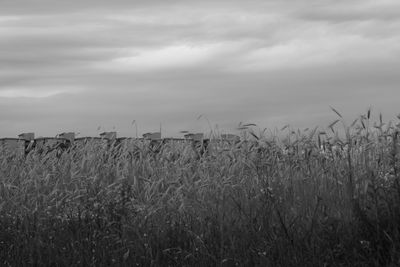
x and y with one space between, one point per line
77 65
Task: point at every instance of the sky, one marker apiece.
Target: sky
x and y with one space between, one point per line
89 66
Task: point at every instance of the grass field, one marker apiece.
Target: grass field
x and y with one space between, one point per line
300 198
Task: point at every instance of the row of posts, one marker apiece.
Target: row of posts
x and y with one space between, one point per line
27 140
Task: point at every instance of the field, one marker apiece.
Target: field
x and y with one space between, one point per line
297 198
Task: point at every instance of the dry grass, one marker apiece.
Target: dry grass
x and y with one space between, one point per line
273 201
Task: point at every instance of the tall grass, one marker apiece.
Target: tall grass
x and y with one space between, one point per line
304 198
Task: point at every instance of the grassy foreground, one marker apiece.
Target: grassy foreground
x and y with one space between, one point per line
311 198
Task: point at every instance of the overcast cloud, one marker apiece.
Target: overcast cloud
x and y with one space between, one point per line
77 65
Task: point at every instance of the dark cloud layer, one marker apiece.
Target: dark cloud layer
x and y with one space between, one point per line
77 65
